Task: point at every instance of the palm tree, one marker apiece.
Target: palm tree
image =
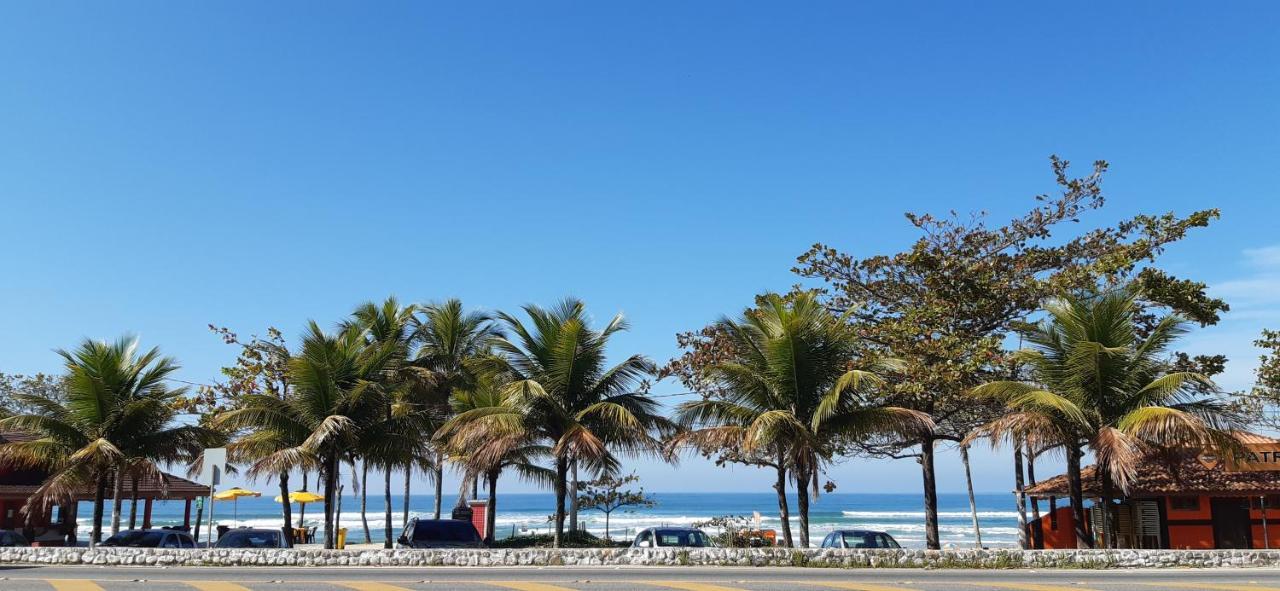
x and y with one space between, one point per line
563 394
392 439
791 392
451 344
482 451
1099 382
118 418
335 397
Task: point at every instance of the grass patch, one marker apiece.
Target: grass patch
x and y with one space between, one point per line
572 539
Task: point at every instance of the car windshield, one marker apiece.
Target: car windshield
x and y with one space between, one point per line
865 539
250 539
136 539
681 537
445 531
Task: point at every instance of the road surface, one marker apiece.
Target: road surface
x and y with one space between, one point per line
89 578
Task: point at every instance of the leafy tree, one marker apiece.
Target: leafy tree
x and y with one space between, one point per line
791 389
118 416
608 494
945 305
45 386
1099 383
1263 401
261 369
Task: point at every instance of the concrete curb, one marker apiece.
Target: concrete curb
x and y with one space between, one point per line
810 557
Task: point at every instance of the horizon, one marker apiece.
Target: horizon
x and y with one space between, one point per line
168 167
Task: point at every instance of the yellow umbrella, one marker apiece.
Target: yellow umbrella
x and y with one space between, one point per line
234 494
301 497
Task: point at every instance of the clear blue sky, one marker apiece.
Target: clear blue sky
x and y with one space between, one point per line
168 165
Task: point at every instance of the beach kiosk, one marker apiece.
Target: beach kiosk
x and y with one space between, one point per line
55 525
1182 499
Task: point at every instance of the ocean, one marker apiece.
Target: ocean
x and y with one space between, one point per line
901 515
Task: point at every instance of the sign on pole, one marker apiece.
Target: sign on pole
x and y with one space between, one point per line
211 468
214 460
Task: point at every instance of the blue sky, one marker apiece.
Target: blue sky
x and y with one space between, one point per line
168 165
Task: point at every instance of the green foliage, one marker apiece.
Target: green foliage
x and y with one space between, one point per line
1262 402
563 393
790 391
572 539
15 386
607 494
114 416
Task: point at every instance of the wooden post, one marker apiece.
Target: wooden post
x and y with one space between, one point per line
146 513
186 515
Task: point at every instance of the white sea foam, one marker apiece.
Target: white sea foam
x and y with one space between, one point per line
920 514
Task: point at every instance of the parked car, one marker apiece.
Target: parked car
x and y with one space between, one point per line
10 538
440 533
672 537
859 538
151 538
251 538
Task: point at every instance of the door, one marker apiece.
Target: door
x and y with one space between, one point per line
1231 528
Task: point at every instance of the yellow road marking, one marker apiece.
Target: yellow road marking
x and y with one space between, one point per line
215 586
527 586
365 586
689 586
1032 587
73 585
854 586
1217 586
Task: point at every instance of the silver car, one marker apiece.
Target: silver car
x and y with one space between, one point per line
859 538
672 537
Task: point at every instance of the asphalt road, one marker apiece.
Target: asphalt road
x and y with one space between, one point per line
618 579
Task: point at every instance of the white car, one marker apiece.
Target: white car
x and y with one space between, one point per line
859 538
672 537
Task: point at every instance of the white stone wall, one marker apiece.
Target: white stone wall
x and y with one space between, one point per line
812 557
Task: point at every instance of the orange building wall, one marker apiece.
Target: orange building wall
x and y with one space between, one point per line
1273 527
1196 537
1062 537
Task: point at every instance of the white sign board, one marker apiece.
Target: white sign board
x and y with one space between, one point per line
211 467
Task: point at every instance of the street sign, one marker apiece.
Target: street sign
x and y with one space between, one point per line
211 467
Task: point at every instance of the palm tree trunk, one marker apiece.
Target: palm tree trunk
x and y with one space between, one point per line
386 502
98 493
784 512
364 502
491 512
330 488
1031 481
973 504
802 504
195 534
573 496
1109 525
408 479
930 479
117 501
1019 485
562 475
287 529
437 473
302 510
1083 540
133 502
